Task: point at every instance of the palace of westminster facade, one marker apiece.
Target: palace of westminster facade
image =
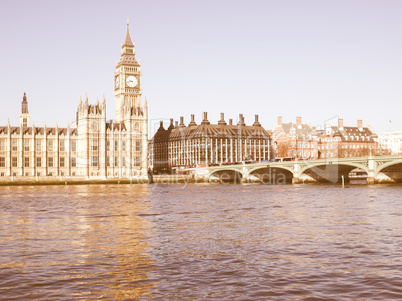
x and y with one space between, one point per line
91 147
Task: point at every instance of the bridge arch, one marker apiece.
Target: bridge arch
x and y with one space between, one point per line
331 171
388 164
389 170
225 175
271 175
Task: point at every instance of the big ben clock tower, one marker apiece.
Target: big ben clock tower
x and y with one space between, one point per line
127 80
131 114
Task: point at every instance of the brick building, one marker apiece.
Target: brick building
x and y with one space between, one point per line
307 142
194 145
292 140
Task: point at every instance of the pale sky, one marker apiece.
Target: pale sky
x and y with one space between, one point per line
316 59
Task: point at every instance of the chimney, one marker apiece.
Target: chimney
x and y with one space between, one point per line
182 121
205 120
256 123
161 124
222 120
176 124
280 121
171 124
230 121
298 121
340 123
192 121
360 124
241 120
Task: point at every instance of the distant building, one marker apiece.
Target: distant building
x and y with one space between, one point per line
295 140
91 146
304 141
347 141
391 141
182 146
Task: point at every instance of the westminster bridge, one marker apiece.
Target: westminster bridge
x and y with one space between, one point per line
379 169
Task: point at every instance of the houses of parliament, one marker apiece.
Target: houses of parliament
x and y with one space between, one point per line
91 147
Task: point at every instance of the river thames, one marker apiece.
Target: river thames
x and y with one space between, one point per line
201 242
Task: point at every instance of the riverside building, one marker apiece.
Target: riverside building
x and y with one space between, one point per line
304 141
91 146
183 146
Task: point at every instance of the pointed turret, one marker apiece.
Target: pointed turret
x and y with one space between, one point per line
24 115
127 51
24 104
127 40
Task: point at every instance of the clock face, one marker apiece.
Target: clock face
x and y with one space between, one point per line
117 82
131 81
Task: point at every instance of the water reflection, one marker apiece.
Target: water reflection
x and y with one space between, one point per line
83 241
212 242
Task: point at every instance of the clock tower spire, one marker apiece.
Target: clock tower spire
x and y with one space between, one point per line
127 80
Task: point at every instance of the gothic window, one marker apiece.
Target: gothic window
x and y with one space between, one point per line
26 145
50 145
26 162
73 146
61 146
94 161
38 145
137 161
2 144
14 162
14 144
24 122
38 162
50 162
95 144
73 162
62 160
2 162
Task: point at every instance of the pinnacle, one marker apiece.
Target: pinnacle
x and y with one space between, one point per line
127 40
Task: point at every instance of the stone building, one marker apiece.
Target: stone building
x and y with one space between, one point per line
91 146
391 141
181 146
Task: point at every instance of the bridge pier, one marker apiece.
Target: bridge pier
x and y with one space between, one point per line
245 174
296 180
296 171
371 175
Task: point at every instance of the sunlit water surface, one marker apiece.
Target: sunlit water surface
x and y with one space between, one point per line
201 242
